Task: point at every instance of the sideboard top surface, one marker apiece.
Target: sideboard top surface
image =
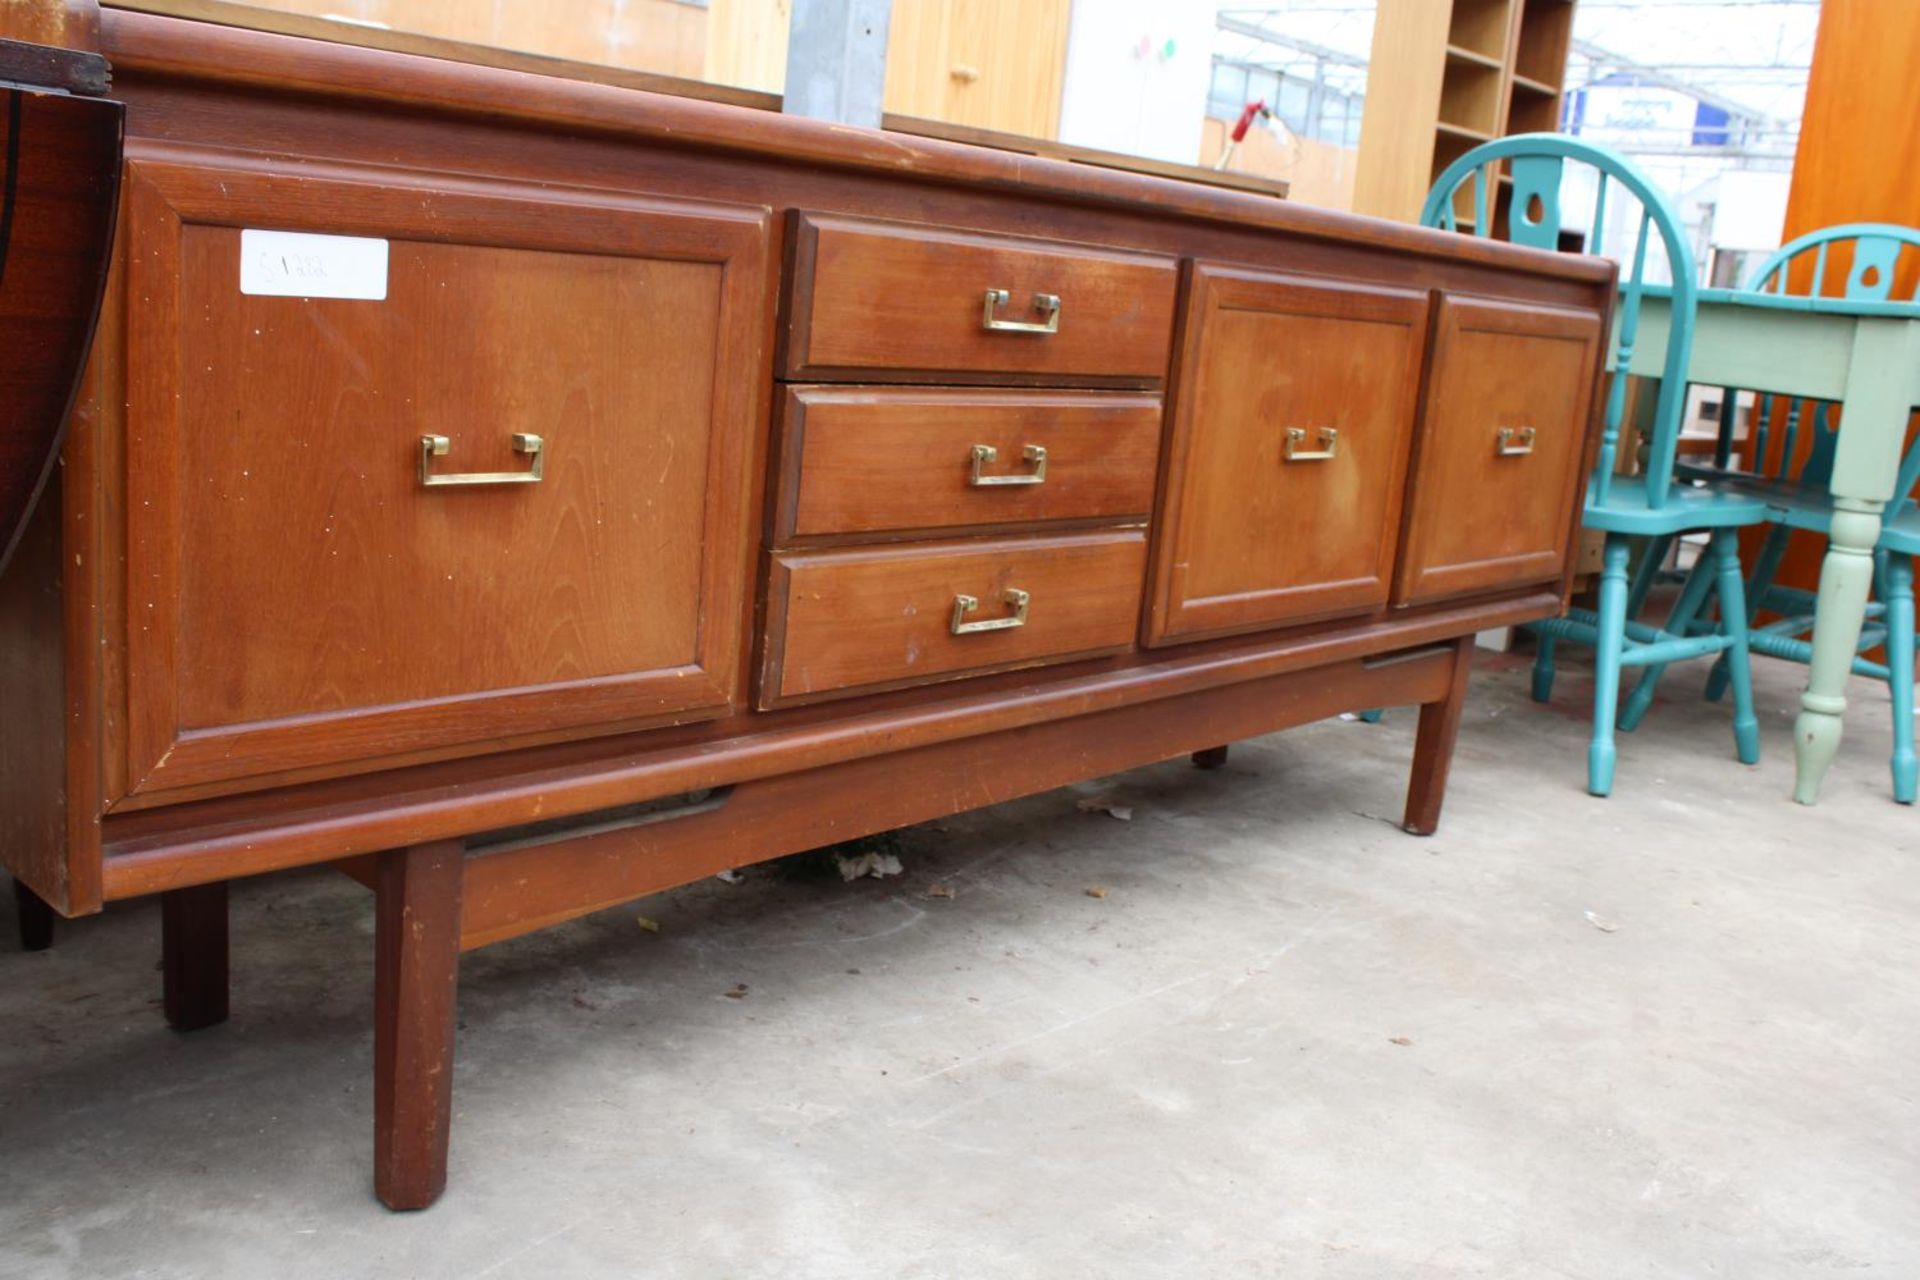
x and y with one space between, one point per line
258 64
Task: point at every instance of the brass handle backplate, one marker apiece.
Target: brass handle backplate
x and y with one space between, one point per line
1036 456
964 605
432 447
1329 445
1048 304
1513 442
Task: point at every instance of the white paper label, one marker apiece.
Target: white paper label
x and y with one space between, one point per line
294 264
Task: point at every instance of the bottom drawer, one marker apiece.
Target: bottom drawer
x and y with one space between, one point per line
844 621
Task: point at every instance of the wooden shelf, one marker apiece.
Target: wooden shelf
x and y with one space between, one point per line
1527 84
1481 26
1459 53
1461 131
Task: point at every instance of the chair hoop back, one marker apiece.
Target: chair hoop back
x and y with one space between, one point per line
1871 271
1536 163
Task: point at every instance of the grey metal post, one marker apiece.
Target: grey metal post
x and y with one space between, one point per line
837 60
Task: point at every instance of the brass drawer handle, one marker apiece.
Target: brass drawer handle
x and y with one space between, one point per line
1513 442
964 605
1329 445
1035 454
432 447
1048 304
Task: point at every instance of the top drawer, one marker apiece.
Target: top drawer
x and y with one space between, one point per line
888 301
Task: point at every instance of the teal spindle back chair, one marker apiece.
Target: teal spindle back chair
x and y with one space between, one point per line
1654 504
1860 261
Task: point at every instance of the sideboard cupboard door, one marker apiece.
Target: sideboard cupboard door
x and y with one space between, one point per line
1498 466
1292 410
315 583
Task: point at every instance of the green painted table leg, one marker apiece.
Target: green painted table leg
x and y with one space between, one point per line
1845 578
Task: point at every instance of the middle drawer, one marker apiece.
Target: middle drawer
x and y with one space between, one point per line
865 460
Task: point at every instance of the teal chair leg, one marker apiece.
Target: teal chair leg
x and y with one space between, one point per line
1610 637
1764 569
1653 555
1371 716
1543 667
1685 609
1733 612
1899 599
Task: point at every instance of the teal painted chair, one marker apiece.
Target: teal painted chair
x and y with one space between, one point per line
1796 492
1657 503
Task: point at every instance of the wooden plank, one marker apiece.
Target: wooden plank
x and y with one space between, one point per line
520 889
184 846
1405 69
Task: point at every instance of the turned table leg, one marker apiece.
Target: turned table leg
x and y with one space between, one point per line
36 918
1210 758
193 955
416 974
1838 612
1433 747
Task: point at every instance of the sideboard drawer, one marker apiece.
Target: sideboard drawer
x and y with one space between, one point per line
864 460
907 615
1499 464
313 586
901 300
1288 451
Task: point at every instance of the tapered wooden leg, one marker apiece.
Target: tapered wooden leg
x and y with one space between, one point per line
416 974
1210 758
193 955
1433 747
36 918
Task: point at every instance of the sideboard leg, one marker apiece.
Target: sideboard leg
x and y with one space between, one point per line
1433 747
193 955
1210 758
36 918
416 974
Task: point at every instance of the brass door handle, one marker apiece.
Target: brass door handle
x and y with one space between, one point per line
982 454
964 605
1513 442
1329 445
432 447
1047 303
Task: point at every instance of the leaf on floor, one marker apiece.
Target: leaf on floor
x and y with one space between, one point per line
738 991
1601 923
1096 891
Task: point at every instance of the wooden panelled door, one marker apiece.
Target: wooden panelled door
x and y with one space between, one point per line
1502 450
312 587
1292 413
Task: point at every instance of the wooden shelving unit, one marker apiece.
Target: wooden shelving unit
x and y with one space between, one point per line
1446 75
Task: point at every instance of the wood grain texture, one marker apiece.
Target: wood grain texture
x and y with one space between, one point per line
66 24
883 299
222 838
706 140
1478 520
518 890
416 968
995 64
839 620
864 460
59 178
297 598
1250 538
1433 743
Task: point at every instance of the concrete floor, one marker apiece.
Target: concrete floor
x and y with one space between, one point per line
1672 1034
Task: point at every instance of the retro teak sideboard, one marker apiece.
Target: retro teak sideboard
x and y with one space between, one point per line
686 485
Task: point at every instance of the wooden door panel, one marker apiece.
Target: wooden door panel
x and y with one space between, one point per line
1503 450
1261 528
300 600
